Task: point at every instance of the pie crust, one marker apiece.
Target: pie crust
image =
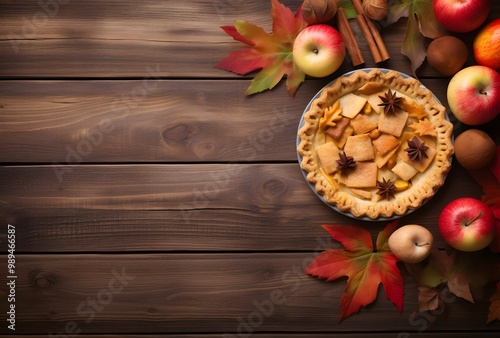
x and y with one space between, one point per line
377 142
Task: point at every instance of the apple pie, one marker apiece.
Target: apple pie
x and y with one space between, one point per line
375 144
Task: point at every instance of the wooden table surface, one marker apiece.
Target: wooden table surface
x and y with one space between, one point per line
151 198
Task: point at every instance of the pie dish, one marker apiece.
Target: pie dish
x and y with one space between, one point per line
375 144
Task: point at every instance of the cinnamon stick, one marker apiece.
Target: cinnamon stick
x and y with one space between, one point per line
372 45
381 47
348 36
378 39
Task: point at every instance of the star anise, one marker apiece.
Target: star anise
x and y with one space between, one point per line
386 188
346 163
417 150
390 102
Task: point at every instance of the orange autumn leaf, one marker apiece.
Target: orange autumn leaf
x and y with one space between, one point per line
494 313
269 53
365 267
428 298
489 183
489 180
434 299
458 270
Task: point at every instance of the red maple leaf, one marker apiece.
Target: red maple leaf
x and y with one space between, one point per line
365 267
272 53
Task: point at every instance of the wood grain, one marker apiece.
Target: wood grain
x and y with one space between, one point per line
195 207
120 38
165 121
204 293
124 151
170 121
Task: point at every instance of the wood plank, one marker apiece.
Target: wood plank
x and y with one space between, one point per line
204 293
117 38
171 121
233 207
96 58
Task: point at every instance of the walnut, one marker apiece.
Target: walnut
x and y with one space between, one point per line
318 11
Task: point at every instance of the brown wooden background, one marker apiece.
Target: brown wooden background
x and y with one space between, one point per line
125 152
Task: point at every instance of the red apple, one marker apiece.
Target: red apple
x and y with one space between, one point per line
461 15
467 224
474 95
318 50
411 243
486 46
